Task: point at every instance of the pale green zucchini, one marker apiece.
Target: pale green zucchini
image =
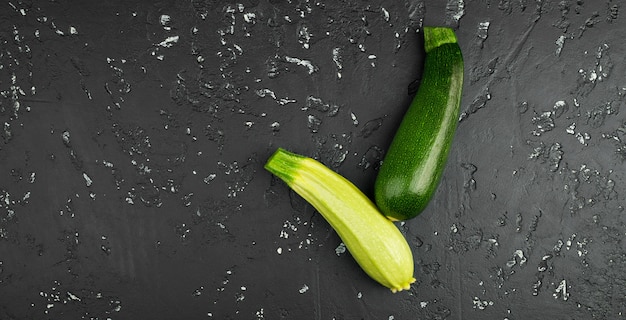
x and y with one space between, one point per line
373 240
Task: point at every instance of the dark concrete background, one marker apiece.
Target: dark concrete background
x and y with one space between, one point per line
134 134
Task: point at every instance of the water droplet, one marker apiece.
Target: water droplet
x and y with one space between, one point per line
522 107
370 127
66 138
455 10
418 242
313 123
355 121
559 108
483 32
275 126
341 248
544 123
372 157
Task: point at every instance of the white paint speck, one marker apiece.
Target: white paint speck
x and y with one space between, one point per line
88 180
165 21
265 92
249 17
481 304
304 289
337 59
385 14
520 254
239 49
561 291
559 44
341 248
73 296
355 121
66 137
169 41
301 62
456 9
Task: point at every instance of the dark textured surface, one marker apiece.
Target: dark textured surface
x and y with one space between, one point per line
134 134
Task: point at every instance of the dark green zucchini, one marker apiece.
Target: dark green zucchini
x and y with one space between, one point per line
415 160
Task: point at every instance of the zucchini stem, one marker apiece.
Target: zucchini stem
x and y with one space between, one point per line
437 36
284 164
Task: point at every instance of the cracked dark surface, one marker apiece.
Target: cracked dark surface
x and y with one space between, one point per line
134 136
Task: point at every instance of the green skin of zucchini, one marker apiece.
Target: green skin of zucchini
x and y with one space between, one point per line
373 241
416 158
